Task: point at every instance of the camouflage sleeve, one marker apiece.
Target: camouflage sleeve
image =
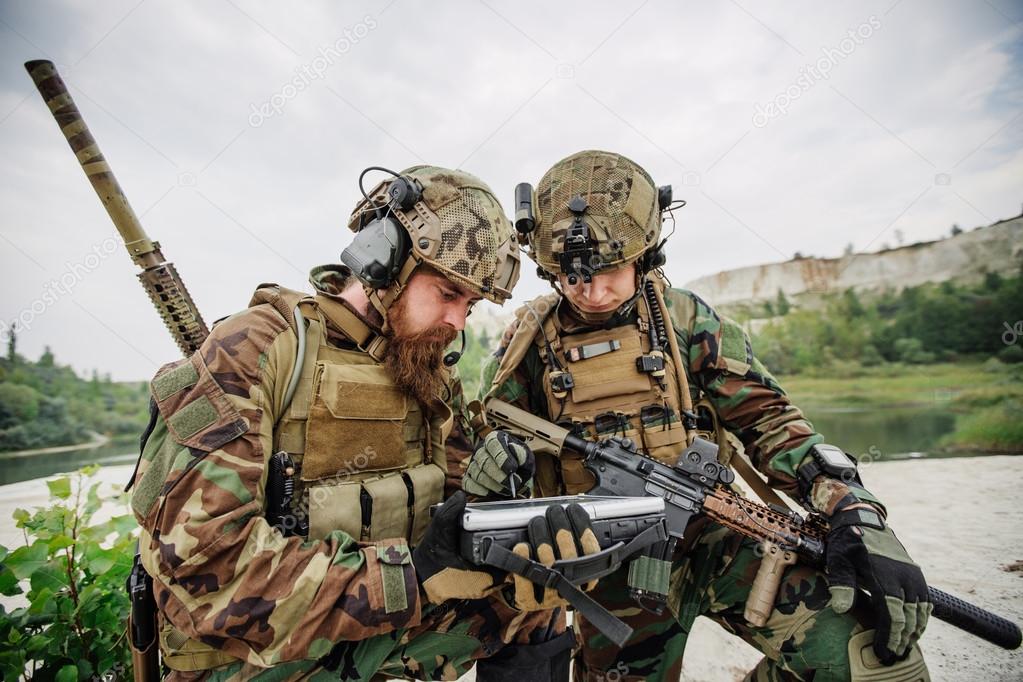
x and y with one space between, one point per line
524 386
222 575
460 443
748 400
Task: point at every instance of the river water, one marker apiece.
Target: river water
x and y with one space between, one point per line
876 433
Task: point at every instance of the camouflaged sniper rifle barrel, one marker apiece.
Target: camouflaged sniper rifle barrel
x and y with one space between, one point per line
159 278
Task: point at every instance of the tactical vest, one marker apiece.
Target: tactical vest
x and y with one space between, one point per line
609 395
368 459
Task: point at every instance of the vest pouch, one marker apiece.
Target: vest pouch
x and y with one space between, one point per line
428 489
665 436
611 374
335 505
389 517
356 422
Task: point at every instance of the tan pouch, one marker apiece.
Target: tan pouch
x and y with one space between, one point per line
335 506
659 436
428 489
390 517
356 422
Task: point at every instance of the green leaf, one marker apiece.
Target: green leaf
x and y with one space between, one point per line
60 487
59 542
3 553
69 673
99 560
8 582
43 604
25 561
21 516
52 576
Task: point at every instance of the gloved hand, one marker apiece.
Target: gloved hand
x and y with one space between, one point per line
862 551
442 572
562 533
500 463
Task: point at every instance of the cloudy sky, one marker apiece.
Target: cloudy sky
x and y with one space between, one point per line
238 129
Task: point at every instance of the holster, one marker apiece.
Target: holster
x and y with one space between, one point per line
145 651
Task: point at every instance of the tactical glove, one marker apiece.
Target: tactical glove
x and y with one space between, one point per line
502 465
442 572
562 533
862 551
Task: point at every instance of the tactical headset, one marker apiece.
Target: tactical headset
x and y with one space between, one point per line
382 244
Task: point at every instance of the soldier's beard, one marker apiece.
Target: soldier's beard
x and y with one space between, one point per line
416 359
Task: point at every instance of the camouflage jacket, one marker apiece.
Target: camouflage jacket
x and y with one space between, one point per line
221 574
720 365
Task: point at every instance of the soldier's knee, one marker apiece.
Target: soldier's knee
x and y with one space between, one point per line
864 665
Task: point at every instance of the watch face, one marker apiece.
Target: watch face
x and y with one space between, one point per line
833 457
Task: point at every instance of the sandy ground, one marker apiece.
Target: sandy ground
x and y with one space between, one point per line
960 519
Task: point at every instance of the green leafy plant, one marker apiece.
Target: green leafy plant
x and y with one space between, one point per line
71 572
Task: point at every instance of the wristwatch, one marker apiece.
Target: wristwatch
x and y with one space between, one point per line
830 460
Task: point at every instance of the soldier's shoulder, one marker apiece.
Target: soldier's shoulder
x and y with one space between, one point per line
687 307
246 334
532 312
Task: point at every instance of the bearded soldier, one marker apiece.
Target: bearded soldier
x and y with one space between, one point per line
615 351
288 471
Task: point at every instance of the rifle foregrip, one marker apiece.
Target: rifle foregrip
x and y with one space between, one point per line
975 620
760 602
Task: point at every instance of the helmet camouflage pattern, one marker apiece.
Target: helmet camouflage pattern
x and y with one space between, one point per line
458 228
621 209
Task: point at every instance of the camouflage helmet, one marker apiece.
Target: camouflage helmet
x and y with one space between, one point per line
457 227
619 207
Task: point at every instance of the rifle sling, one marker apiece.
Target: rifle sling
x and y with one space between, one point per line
766 494
564 573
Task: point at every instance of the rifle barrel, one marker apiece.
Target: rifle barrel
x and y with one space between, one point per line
159 278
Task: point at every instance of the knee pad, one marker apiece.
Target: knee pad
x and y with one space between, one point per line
865 667
545 662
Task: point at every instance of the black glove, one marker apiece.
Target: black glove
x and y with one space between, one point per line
442 572
502 465
562 533
862 551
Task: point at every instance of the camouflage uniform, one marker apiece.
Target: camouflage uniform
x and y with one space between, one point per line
713 574
238 599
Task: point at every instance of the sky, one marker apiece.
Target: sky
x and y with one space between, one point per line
238 129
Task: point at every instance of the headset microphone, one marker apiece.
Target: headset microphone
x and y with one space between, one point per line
454 356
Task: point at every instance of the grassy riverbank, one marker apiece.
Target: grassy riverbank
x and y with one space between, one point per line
986 398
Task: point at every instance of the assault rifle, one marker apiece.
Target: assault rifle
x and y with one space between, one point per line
697 484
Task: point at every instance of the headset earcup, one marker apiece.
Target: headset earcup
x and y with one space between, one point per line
378 252
654 259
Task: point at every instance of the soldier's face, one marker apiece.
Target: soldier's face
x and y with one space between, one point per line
604 293
432 301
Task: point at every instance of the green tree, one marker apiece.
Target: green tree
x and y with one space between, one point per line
18 405
782 303
12 343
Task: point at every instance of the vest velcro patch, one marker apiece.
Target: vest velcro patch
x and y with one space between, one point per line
170 382
393 558
192 418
